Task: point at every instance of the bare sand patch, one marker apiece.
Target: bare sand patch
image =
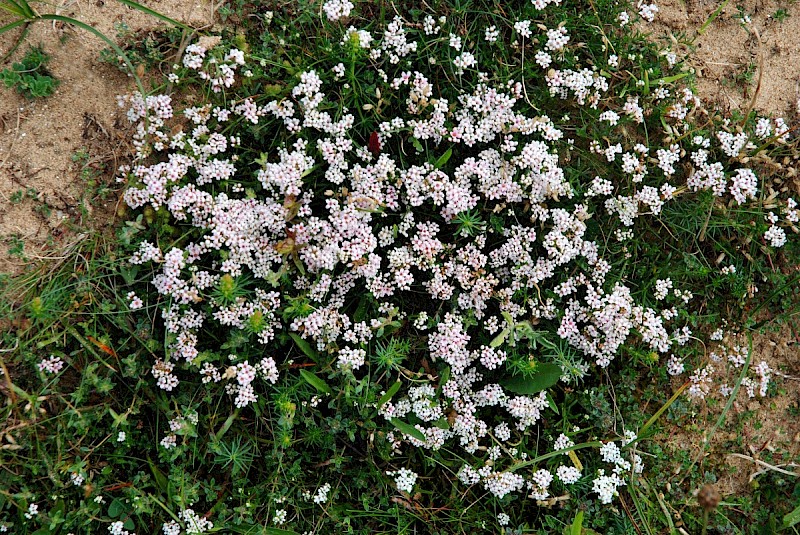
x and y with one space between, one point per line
44 202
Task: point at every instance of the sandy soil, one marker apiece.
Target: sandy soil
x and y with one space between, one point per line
39 138
739 66
737 62
755 431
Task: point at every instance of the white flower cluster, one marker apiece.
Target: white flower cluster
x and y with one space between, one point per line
337 9
734 356
162 371
647 11
606 486
404 479
194 522
220 72
76 479
118 528
33 510
322 494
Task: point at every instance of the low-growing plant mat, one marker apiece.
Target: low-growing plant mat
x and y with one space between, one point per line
123 412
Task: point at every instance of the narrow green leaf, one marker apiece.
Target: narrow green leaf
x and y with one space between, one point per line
389 393
315 381
153 13
577 524
792 518
712 17
161 480
545 376
552 403
250 529
20 9
305 347
670 79
443 159
309 171
444 377
9 27
500 338
409 429
102 36
227 425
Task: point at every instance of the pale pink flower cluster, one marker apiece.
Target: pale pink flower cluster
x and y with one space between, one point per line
648 11
52 364
735 356
165 379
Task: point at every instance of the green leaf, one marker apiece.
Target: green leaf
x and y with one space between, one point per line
315 381
305 347
442 423
417 145
444 377
227 424
389 393
577 524
116 508
545 376
118 420
500 338
409 429
792 518
129 273
161 480
361 311
552 403
670 79
443 159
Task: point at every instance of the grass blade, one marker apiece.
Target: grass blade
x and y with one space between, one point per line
21 9
121 53
712 17
153 13
9 27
